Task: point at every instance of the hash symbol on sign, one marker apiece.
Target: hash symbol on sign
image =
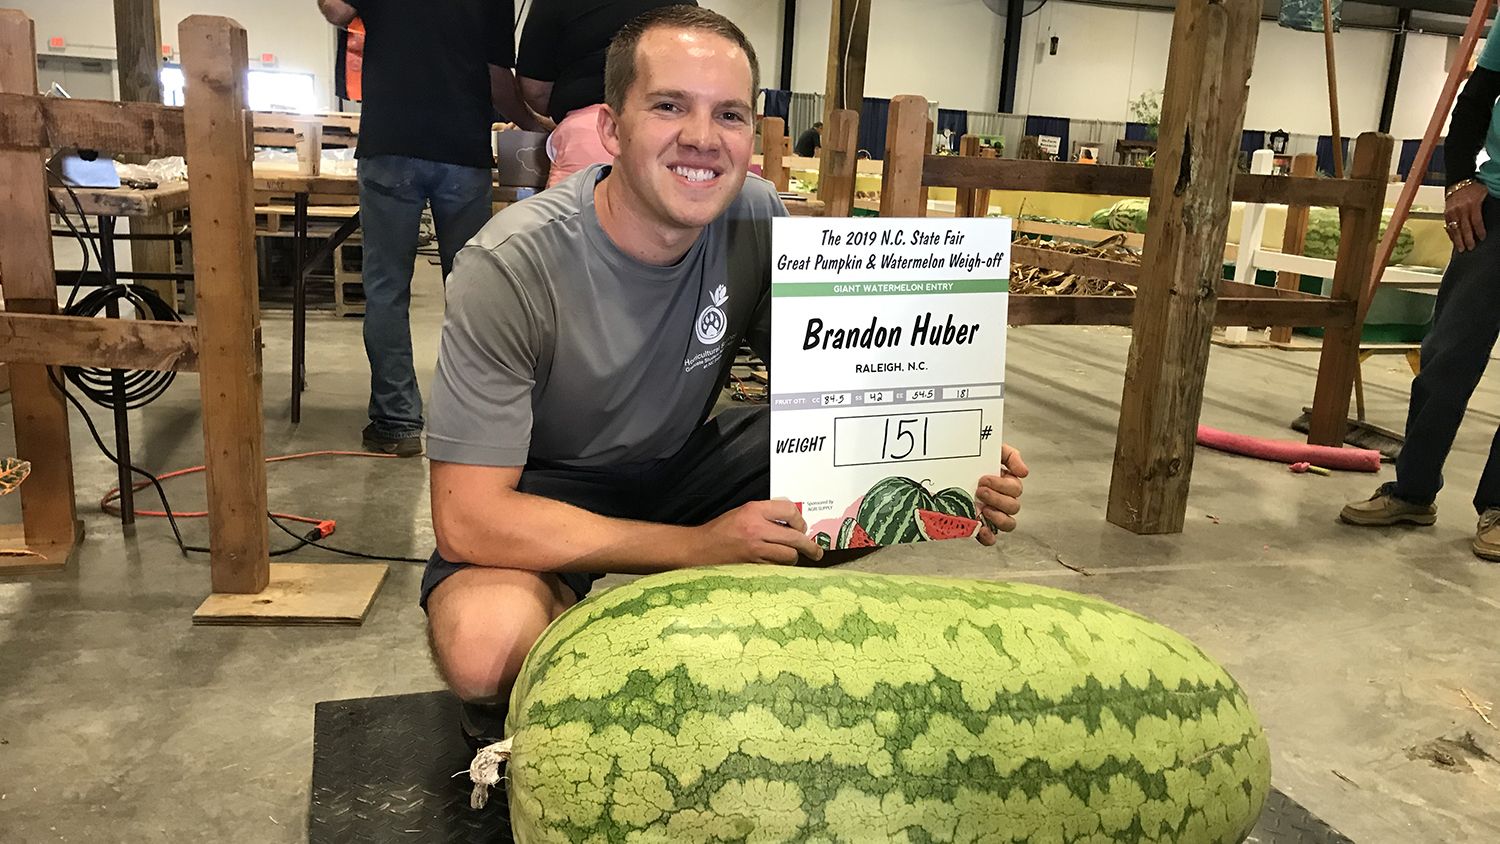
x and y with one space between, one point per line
984 433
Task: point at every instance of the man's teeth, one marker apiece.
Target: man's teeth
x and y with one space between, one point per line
693 175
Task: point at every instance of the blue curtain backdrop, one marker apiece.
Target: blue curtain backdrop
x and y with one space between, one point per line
872 120
778 103
955 119
1137 132
1251 141
1057 126
1325 154
1435 169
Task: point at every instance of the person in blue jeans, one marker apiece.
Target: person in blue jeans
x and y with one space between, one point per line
1465 325
435 75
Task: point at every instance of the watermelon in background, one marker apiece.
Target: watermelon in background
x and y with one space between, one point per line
749 703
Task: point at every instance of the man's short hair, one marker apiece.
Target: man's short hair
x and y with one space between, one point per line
619 62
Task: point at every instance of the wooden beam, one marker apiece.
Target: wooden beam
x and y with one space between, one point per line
48 509
772 133
901 181
138 49
29 121
1235 307
1294 237
1359 239
1061 177
215 57
1088 266
103 343
848 42
1203 110
841 152
125 202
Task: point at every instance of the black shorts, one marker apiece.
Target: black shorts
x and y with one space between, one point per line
725 463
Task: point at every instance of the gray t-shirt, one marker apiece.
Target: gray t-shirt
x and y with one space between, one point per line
559 348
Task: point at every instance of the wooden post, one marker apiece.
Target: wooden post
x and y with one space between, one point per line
1294 238
48 511
1203 109
1359 230
901 181
926 150
1333 91
848 42
138 58
837 182
772 132
214 57
964 202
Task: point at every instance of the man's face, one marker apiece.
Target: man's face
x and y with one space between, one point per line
683 140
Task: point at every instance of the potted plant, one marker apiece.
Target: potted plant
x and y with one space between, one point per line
1147 109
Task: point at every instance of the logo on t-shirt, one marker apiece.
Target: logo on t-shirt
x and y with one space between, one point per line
712 323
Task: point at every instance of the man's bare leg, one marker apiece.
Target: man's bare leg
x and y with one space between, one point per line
482 621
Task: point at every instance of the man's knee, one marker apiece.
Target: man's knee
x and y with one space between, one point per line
482 622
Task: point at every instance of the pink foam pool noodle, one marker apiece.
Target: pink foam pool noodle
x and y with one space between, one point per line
1287 451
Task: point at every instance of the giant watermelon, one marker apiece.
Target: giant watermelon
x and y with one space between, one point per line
1323 236
764 704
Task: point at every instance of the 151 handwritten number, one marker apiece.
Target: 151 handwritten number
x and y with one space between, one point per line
906 429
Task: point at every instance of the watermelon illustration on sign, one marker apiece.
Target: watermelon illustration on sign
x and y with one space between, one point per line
898 510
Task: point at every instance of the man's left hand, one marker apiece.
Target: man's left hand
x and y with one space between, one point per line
999 496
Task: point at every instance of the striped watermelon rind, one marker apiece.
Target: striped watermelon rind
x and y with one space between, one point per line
956 502
888 512
846 531
746 703
823 540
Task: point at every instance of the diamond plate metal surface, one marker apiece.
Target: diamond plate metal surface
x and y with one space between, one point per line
384 770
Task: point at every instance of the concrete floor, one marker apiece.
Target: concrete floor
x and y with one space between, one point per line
119 721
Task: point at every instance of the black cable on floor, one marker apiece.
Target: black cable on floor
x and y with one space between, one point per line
356 554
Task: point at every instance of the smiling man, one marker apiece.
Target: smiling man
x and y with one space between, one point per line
588 332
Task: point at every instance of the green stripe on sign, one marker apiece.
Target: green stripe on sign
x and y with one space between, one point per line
891 288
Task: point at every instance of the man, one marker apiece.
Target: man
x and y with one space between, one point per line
434 74
561 68
568 434
1465 324
810 141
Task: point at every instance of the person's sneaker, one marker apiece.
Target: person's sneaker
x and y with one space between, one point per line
400 446
1487 537
482 724
1384 508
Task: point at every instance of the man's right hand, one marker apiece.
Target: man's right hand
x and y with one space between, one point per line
769 532
1463 216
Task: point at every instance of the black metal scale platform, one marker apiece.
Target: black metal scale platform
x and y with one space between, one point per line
396 769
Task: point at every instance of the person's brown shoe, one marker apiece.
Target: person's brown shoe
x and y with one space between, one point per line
1384 509
1487 537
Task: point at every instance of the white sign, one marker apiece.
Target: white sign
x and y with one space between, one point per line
1050 144
888 373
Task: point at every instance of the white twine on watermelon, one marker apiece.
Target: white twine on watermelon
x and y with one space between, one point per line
484 771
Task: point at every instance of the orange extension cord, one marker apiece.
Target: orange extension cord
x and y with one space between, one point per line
327 524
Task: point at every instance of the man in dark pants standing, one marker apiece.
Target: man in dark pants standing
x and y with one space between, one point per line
1465 326
434 76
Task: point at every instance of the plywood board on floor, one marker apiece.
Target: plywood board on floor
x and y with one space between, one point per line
300 593
16 557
